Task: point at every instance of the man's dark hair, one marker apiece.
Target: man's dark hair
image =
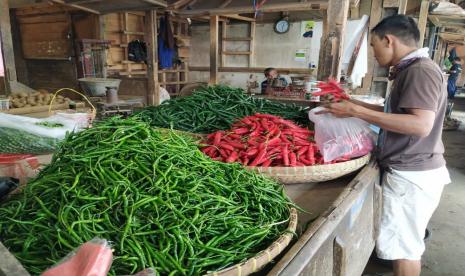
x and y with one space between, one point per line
401 26
268 70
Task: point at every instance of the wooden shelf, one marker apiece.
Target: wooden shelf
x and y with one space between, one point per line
133 73
173 83
380 79
133 33
237 39
238 53
171 71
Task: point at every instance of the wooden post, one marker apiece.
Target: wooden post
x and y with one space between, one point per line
153 88
333 45
7 45
403 6
253 27
423 19
214 49
101 35
376 9
224 30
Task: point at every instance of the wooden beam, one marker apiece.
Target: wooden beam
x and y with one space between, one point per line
376 15
303 71
333 45
224 30
365 7
239 17
179 4
403 6
7 45
101 35
279 7
423 19
63 3
253 27
214 50
161 3
153 88
225 3
355 12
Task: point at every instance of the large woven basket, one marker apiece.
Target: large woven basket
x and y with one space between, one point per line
317 173
264 257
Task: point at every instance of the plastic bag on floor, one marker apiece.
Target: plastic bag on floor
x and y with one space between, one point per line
93 258
20 134
341 138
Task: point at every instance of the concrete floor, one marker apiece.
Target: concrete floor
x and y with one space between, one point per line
445 250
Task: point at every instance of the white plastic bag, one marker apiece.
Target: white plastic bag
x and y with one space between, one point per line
341 138
20 134
92 258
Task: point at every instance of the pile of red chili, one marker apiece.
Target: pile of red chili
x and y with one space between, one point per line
264 140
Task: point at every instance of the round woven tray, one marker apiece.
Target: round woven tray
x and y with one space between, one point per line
318 173
264 257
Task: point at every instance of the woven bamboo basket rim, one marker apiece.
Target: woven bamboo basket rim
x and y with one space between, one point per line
316 173
264 257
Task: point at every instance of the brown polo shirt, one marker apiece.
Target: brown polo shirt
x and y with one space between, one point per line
419 86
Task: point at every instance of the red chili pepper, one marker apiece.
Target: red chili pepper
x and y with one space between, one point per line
274 141
217 138
267 163
226 146
285 155
299 164
224 154
241 131
305 161
236 145
292 159
233 157
234 136
267 116
246 121
252 152
259 159
245 161
301 151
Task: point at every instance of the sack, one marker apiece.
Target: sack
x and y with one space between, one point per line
20 134
341 138
93 258
137 51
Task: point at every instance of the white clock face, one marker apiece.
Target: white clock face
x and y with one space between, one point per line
282 26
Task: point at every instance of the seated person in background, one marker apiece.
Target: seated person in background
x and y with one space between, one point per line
271 74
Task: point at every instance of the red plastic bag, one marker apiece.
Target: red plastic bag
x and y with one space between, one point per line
93 258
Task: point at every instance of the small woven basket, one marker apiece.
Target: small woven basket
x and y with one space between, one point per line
317 173
264 257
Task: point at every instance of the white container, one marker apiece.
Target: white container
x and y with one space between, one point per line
4 103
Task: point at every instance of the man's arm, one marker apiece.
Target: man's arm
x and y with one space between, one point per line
417 122
367 105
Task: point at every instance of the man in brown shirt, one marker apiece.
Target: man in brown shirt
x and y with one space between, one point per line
410 145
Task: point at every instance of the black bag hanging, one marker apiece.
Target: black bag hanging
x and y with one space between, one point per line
137 51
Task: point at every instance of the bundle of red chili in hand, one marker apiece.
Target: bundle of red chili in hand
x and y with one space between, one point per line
331 91
264 140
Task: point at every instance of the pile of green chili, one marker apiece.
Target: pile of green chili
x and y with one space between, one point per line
153 194
215 108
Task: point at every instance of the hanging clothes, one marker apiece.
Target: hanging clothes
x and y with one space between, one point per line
166 43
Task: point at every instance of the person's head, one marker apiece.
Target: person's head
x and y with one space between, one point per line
393 38
271 73
457 60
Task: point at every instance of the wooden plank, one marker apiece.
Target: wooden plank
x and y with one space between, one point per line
391 3
355 12
153 87
126 32
100 31
161 3
278 7
51 18
376 13
214 50
403 6
239 17
237 53
333 44
365 7
253 27
252 70
7 45
225 3
224 30
423 20
381 79
61 2
237 38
